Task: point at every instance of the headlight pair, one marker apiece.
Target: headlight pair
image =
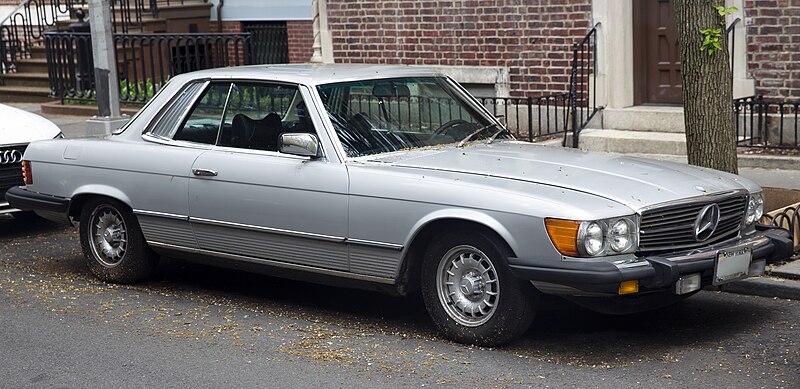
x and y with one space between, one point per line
594 238
755 208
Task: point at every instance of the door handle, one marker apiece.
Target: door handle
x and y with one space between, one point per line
204 173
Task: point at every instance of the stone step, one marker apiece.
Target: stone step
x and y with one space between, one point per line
26 94
25 79
32 65
39 52
622 141
645 118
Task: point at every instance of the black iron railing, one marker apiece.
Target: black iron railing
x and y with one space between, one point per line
730 33
559 114
532 118
583 84
144 61
767 125
24 28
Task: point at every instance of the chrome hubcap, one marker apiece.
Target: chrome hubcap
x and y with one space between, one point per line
467 285
109 237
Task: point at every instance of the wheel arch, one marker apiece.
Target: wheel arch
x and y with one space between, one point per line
84 193
427 229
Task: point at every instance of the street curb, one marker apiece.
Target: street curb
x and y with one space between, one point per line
765 287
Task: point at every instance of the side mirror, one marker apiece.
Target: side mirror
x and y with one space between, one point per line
302 144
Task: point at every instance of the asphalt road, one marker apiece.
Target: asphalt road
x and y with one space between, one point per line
197 326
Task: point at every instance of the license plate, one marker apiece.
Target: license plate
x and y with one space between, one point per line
732 265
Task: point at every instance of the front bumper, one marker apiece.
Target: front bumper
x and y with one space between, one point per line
657 273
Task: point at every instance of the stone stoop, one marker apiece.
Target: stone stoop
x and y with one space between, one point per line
641 130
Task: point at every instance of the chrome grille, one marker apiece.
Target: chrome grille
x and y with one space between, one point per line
10 173
672 227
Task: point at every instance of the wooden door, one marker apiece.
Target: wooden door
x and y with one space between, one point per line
657 58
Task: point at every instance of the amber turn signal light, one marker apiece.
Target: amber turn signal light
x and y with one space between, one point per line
628 287
27 174
564 235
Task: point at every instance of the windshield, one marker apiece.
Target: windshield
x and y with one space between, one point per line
377 116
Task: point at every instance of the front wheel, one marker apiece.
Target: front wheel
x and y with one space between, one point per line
470 293
113 243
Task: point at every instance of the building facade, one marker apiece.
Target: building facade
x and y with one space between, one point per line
524 47
282 30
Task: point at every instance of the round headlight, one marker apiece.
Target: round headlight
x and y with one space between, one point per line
619 236
759 207
594 239
751 210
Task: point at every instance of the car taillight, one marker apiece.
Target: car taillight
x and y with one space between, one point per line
27 173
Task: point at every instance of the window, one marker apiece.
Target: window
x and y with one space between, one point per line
257 113
384 115
203 124
168 123
247 115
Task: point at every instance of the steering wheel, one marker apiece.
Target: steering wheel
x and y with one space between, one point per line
444 128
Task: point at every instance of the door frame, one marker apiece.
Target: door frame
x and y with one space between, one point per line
615 79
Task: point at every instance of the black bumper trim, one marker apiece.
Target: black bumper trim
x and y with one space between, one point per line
657 274
32 201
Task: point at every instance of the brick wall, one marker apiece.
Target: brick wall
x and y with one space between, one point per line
301 40
773 45
233 27
227 26
532 38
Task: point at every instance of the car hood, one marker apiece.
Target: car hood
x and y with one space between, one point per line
634 182
19 126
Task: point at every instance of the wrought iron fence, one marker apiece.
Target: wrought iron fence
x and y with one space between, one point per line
532 118
144 61
25 27
767 124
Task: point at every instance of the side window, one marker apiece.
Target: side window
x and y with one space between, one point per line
168 122
257 113
202 125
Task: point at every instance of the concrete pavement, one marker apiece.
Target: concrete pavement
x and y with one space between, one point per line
782 281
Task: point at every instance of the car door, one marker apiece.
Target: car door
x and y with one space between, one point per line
161 181
250 202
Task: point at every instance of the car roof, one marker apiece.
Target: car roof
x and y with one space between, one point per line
314 74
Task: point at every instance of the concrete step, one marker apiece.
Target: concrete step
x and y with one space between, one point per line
38 52
643 142
25 79
645 118
25 94
32 65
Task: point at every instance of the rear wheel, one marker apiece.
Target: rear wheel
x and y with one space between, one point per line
470 293
113 243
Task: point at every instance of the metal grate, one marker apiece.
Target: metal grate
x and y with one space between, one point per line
10 173
672 227
270 41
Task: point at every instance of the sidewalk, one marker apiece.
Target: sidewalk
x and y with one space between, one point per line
780 281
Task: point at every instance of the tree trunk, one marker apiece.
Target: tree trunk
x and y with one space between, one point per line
707 88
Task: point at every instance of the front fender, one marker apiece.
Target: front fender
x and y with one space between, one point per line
467 215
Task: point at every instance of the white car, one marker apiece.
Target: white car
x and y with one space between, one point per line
17 129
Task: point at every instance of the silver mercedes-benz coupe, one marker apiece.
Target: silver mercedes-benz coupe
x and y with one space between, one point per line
396 179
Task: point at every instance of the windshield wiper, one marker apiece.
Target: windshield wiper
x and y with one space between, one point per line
476 132
496 134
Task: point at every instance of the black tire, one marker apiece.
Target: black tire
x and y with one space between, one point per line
118 252
484 282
